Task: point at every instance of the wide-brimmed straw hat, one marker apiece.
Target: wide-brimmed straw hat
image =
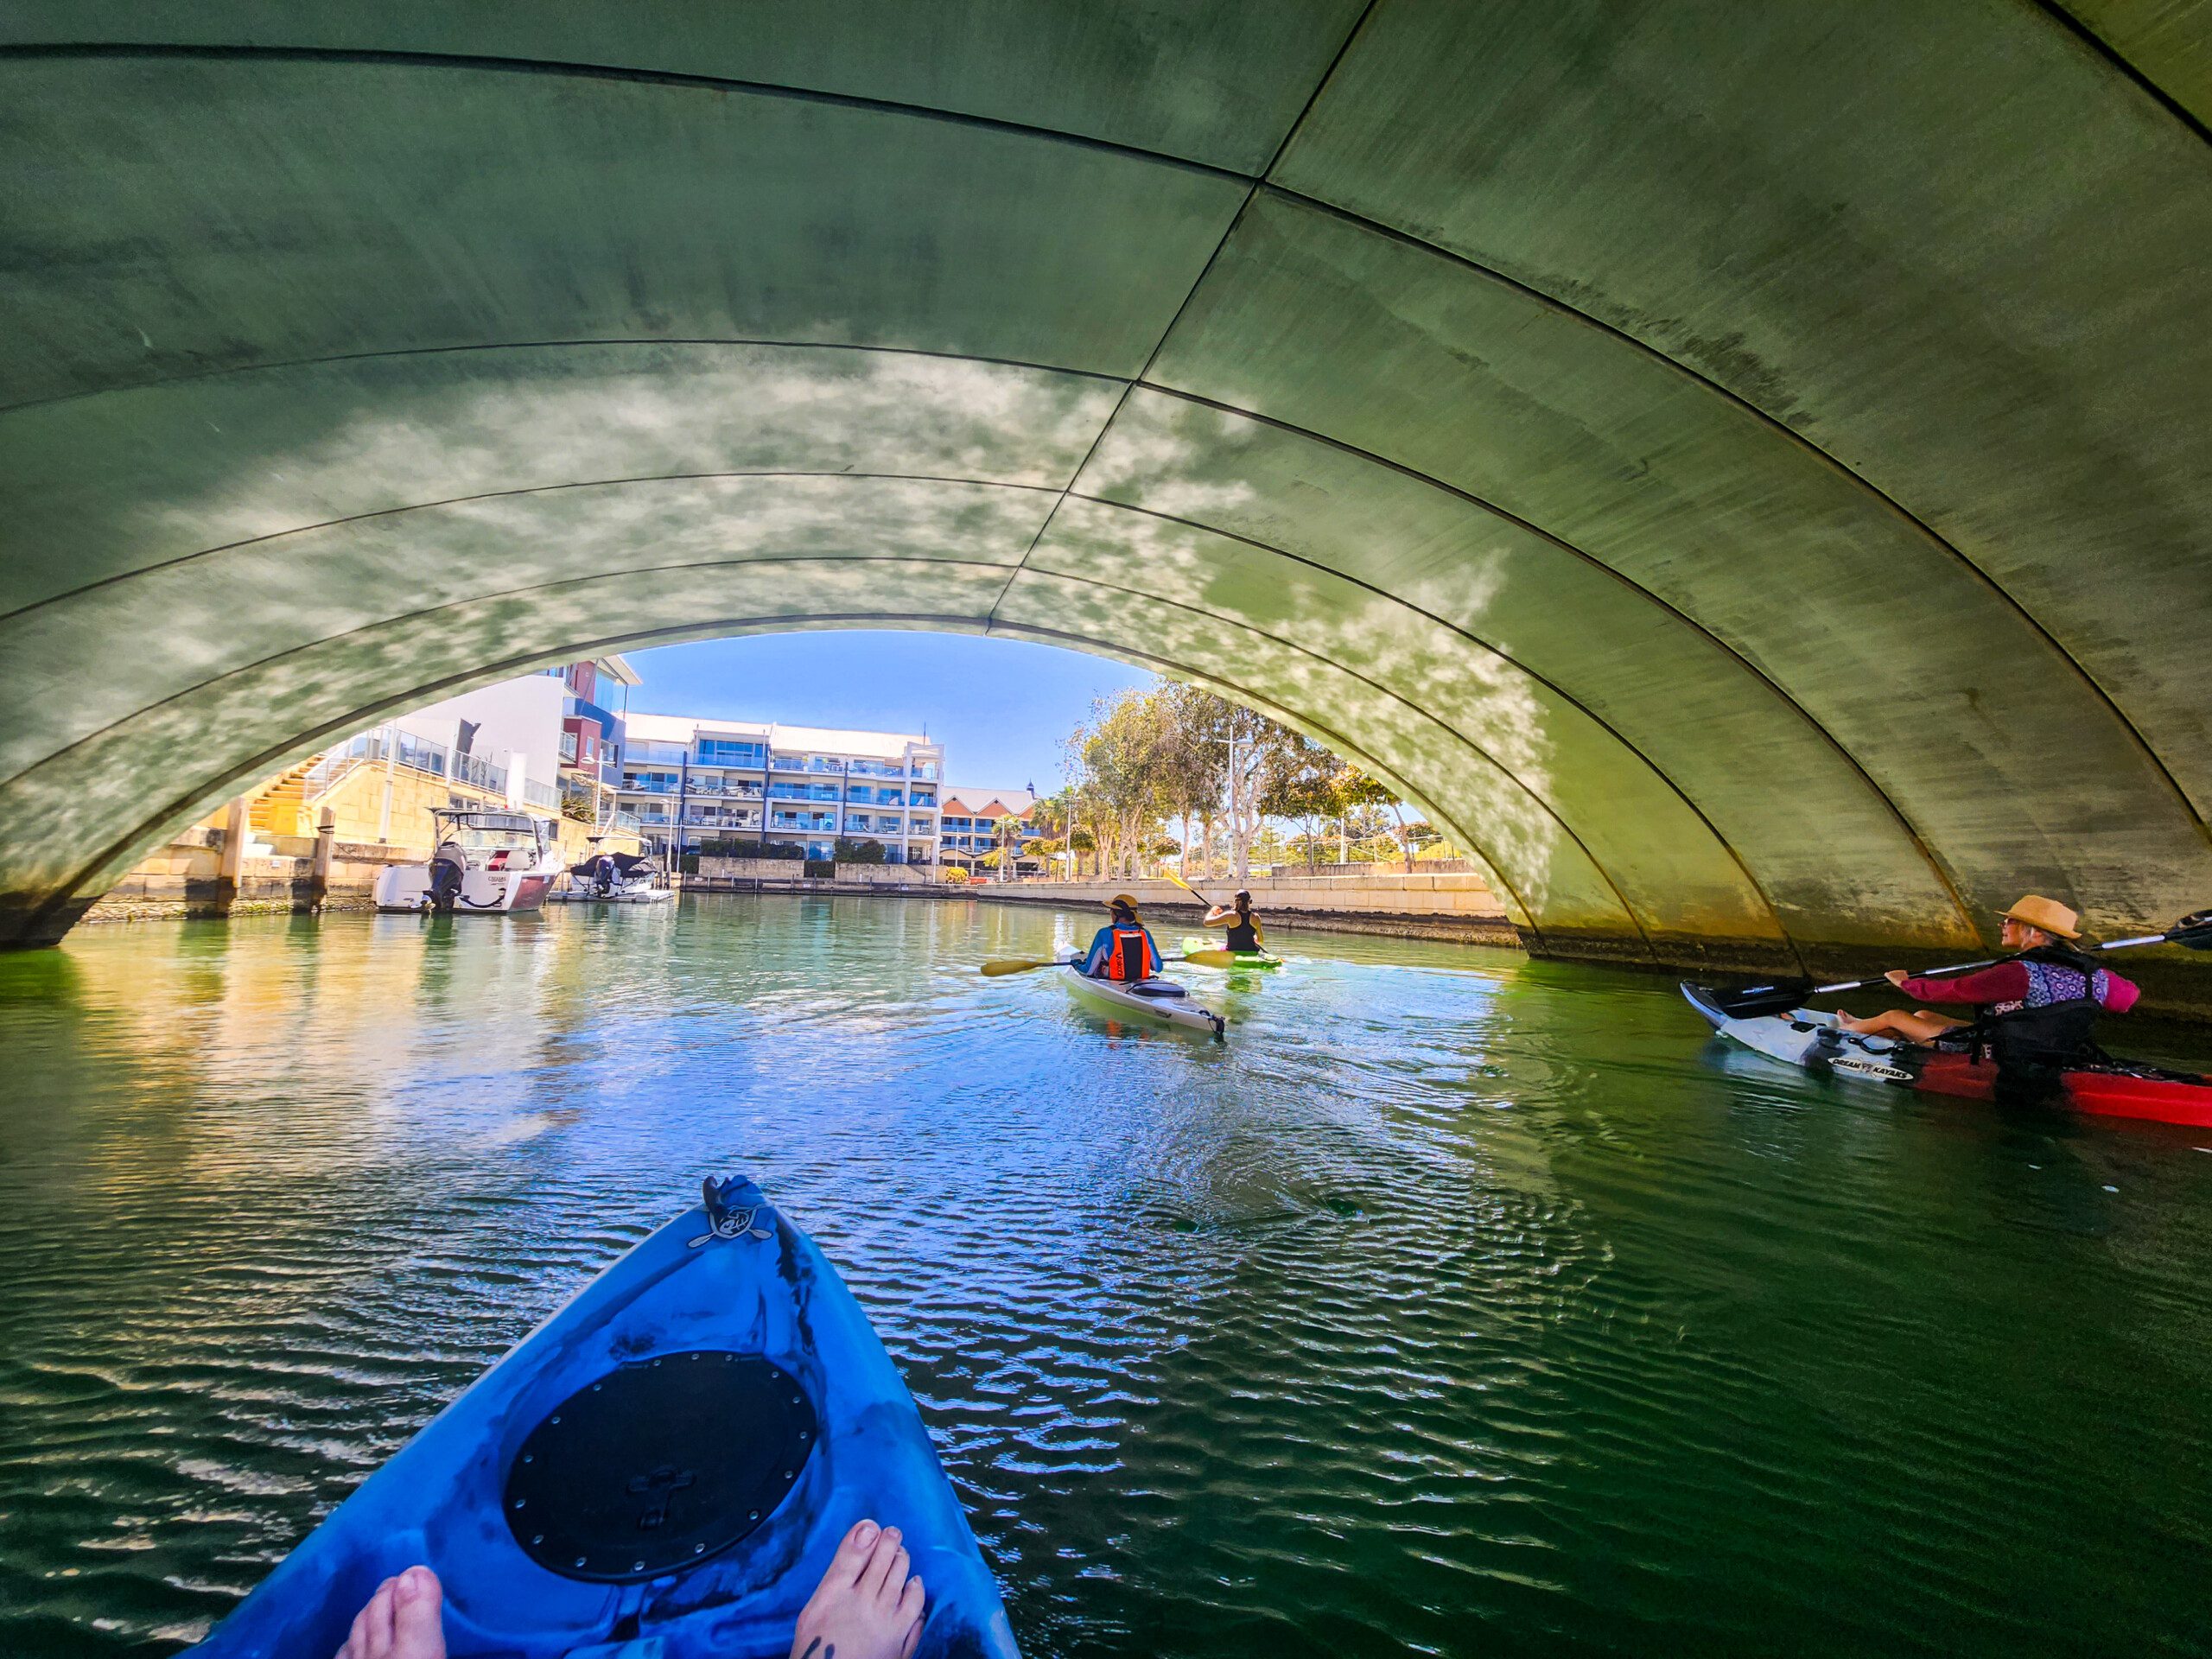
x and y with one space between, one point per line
2048 914
1123 901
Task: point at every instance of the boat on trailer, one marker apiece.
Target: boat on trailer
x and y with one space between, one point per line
506 862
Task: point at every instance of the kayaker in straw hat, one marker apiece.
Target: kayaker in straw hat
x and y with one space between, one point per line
1245 933
2037 1005
1123 949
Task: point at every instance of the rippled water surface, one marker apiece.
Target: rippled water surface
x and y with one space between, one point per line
1458 1304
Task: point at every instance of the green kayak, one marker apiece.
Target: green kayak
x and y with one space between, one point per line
1244 959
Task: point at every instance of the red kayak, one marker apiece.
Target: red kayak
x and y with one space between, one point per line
2125 1091
1810 1039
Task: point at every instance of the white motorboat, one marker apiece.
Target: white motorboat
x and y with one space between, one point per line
614 878
489 862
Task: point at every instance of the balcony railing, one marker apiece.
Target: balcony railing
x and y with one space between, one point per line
633 785
802 792
403 749
537 794
737 789
749 755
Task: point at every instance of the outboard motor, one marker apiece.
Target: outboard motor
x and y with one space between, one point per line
448 866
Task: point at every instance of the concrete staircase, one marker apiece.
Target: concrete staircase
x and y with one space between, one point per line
281 808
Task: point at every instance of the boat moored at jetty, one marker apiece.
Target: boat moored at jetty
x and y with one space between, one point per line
614 878
488 860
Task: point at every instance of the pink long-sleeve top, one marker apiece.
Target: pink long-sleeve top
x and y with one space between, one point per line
2010 981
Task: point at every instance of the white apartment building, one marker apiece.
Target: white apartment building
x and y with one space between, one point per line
690 781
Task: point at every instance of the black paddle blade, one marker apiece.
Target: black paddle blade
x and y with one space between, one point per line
1778 997
2193 930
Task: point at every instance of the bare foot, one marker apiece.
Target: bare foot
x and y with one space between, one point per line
865 1607
1845 1022
401 1621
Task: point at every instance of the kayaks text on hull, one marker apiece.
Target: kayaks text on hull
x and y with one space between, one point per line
1813 1042
661 1471
1145 1002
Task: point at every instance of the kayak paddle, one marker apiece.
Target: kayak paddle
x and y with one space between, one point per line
2193 930
1201 959
1022 964
1188 888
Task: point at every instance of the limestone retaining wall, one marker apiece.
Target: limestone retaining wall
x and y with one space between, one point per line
1451 906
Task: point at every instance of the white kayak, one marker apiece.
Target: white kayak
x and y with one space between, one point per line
1146 1002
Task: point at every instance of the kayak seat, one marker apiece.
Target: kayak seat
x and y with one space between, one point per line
1164 987
660 1464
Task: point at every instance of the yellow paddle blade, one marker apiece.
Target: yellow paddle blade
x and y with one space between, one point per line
1211 958
1017 965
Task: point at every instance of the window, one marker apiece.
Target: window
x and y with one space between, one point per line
731 751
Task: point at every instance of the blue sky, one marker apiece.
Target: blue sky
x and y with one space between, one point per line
998 706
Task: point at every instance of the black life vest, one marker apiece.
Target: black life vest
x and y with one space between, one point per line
2035 1040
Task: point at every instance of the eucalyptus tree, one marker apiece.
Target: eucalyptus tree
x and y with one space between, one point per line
1298 782
1360 790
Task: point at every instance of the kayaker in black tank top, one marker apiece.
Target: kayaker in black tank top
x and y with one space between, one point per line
1245 930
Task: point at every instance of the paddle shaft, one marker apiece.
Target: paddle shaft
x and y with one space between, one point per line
1000 968
2193 931
1968 967
1193 892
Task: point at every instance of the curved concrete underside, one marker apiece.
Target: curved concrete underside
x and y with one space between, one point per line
1746 471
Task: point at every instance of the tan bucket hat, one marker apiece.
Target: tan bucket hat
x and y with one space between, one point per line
2048 914
1123 901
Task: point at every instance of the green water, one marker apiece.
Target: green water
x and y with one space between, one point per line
1458 1304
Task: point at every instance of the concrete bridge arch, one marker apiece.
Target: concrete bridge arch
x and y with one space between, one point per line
1747 471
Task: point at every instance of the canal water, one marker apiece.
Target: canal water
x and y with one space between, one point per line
1458 1304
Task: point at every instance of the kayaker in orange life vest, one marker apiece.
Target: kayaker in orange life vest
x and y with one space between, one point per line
2041 998
1123 949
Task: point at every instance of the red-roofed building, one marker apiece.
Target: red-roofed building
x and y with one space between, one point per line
973 818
